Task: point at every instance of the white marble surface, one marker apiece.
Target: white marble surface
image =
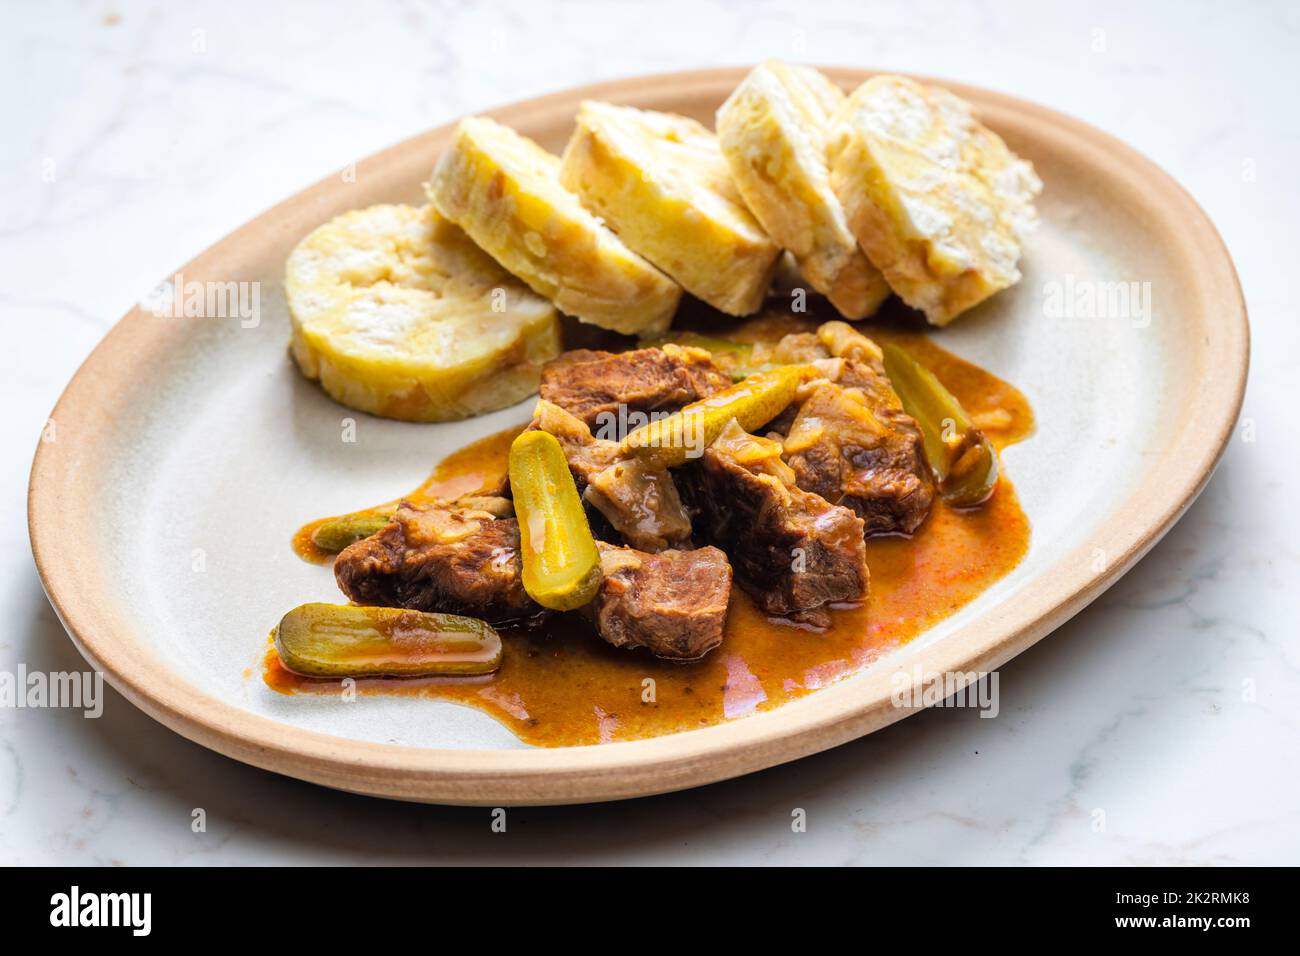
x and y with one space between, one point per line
165 126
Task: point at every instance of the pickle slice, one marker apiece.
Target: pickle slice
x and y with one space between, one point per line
753 402
337 533
561 564
342 640
961 458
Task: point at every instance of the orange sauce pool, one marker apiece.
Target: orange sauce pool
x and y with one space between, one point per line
560 685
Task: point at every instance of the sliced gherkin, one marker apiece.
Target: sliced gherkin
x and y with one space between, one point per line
753 402
561 565
337 533
342 640
962 459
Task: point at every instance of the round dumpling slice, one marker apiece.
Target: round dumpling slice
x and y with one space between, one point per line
937 201
504 190
397 313
773 130
661 182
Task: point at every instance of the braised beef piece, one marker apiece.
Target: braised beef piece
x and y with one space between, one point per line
585 453
847 438
431 559
673 603
639 500
642 503
792 550
855 446
593 385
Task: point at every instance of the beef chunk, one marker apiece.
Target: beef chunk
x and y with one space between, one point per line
855 446
847 437
437 559
673 603
640 501
433 559
585 453
792 550
593 385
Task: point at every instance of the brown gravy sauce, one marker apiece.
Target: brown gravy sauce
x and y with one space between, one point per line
560 685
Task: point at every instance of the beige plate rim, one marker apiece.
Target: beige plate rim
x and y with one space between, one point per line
61 512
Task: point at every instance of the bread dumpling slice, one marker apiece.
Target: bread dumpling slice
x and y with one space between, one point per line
397 313
937 201
504 191
661 182
772 130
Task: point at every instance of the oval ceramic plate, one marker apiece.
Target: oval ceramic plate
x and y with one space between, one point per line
188 451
